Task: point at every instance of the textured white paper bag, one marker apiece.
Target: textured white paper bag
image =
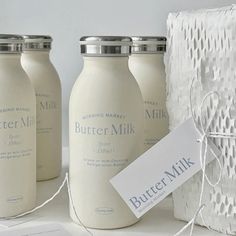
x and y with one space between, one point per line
202 46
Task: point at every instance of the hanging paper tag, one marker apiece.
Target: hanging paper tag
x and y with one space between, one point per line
162 169
42 230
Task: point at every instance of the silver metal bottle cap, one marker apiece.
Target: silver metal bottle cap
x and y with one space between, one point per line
105 46
10 43
37 42
148 44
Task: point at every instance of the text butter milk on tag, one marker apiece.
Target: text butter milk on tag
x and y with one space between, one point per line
161 169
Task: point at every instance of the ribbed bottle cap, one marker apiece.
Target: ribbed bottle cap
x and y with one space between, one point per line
37 42
148 44
105 45
11 43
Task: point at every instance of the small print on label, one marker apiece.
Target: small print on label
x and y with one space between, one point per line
162 169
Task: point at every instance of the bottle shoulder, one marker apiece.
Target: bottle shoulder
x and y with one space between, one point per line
43 78
106 87
37 69
16 86
105 80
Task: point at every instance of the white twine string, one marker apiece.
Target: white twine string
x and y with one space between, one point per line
203 155
204 140
65 182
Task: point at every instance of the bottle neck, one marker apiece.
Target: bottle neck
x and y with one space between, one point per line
156 59
12 59
36 55
106 63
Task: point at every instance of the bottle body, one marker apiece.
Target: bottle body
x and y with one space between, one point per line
106 134
17 138
149 72
48 98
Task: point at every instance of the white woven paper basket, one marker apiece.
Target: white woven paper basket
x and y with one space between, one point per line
202 46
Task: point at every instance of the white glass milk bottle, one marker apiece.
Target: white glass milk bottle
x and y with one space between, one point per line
17 131
106 131
36 63
147 65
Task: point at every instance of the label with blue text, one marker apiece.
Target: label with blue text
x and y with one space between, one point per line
162 169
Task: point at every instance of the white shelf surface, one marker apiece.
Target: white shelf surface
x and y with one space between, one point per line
159 221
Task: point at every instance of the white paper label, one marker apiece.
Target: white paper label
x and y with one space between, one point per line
18 221
161 169
42 230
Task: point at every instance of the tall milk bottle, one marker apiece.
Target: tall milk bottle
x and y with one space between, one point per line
17 131
36 63
106 131
147 65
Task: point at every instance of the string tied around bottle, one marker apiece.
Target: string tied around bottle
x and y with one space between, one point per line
206 135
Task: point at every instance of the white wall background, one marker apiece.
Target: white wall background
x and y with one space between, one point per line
67 20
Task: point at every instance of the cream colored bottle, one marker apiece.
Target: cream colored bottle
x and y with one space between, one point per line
147 65
17 131
106 131
36 63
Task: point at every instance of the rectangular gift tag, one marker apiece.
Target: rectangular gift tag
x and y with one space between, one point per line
42 230
161 169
